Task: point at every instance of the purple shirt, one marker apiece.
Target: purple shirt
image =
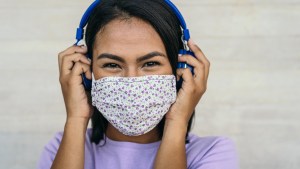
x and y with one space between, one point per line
202 153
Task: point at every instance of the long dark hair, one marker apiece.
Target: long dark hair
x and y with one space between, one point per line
155 12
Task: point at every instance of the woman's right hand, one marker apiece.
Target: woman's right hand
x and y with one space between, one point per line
72 63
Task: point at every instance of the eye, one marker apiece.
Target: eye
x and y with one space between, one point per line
111 66
151 64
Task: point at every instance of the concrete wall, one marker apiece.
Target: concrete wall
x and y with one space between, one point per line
253 95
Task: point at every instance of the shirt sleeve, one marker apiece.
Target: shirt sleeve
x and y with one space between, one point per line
219 155
49 152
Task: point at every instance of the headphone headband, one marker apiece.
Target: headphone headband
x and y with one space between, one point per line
86 15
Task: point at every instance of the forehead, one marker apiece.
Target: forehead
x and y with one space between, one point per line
128 37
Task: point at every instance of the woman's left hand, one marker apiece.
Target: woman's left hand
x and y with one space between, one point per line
193 86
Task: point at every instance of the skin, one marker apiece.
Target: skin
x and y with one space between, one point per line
128 48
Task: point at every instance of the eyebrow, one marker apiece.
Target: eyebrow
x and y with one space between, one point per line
140 59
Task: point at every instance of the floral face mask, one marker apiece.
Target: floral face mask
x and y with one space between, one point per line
134 105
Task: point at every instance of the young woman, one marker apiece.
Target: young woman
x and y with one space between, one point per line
139 119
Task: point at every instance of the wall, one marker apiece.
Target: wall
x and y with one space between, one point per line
253 94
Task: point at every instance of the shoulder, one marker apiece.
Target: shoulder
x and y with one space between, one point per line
206 144
211 152
49 152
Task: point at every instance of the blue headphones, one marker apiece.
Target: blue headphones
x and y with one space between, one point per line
185 37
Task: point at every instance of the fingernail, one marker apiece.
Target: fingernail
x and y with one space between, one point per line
83 47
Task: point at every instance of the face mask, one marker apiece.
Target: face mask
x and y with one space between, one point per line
134 105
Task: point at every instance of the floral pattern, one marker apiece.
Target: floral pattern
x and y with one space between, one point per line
134 105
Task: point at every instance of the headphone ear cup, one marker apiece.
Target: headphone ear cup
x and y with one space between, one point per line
87 83
182 65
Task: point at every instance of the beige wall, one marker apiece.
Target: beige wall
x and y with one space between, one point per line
253 95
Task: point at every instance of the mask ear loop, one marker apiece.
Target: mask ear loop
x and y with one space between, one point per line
93 77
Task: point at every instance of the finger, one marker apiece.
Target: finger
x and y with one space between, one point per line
69 60
78 69
197 51
77 57
69 51
186 75
74 49
200 56
199 68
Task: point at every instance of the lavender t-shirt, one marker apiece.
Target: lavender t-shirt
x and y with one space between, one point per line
202 153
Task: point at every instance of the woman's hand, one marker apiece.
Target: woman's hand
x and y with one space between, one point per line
193 86
72 63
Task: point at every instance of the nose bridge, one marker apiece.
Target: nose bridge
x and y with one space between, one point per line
132 71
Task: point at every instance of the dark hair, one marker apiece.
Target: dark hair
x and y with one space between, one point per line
155 12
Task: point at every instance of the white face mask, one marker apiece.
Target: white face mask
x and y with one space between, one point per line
134 105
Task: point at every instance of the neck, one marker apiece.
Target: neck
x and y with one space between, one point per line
150 137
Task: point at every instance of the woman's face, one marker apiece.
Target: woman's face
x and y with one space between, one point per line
129 48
